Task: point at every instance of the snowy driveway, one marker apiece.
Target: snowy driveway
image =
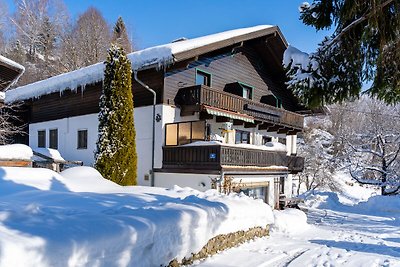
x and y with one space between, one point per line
342 236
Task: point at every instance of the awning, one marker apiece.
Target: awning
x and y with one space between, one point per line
228 114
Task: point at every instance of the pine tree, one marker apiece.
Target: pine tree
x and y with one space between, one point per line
120 36
116 156
365 47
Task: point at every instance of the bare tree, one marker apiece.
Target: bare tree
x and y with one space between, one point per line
8 125
88 41
39 25
316 145
374 150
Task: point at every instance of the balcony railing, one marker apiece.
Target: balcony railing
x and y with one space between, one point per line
216 157
191 98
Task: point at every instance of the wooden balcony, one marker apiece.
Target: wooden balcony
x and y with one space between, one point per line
215 158
192 99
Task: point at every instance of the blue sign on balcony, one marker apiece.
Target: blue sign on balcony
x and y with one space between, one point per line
213 156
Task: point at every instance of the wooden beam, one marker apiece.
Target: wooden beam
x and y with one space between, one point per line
250 125
293 131
283 130
274 128
205 116
222 119
265 126
238 122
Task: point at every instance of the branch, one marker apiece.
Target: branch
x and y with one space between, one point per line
355 23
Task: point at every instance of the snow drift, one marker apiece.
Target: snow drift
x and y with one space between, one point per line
77 218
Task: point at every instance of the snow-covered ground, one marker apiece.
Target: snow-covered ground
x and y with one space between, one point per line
342 230
78 218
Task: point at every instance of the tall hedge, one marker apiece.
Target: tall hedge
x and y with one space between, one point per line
116 157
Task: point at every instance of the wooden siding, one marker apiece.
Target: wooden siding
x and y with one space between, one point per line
245 66
81 102
69 104
193 98
213 158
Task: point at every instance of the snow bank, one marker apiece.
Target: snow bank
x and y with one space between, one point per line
49 152
380 204
15 152
162 55
289 221
78 218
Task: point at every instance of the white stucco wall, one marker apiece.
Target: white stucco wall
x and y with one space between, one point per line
201 182
68 136
68 131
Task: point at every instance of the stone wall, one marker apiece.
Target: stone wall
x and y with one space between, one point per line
222 242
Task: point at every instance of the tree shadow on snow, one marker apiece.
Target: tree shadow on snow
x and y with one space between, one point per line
360 247
103 226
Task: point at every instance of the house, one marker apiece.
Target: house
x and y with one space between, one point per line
225 87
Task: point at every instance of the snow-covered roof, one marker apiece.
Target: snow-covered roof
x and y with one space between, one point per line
157 56
11 63
10 72
16 152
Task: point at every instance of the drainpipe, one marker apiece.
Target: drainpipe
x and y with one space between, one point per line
154 126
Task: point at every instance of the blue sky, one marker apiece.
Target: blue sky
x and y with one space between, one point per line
154 22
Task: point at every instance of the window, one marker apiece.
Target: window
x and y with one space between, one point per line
184 133
247 91
53 140
41 138
278 102
242 137
203 78
82 139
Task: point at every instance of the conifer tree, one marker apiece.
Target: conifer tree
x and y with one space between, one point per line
364 48
116 157
120 36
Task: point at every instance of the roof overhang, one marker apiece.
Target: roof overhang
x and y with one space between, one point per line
228 114
10 72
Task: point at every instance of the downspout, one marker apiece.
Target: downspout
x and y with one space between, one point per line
154 126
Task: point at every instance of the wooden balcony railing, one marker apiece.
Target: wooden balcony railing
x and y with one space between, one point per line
215 157
191 98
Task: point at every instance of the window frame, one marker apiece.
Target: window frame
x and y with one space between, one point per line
86 140
44 140
205 73
191 140
248 86
241 136
50 142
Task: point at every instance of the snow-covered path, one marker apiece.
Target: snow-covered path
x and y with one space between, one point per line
337 237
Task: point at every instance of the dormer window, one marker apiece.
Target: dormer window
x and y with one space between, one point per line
240 89
203 78
247 91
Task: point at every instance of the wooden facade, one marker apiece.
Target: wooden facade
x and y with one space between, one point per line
192 99
216 158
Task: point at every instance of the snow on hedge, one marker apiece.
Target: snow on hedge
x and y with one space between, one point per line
77 218
162 55
16 152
